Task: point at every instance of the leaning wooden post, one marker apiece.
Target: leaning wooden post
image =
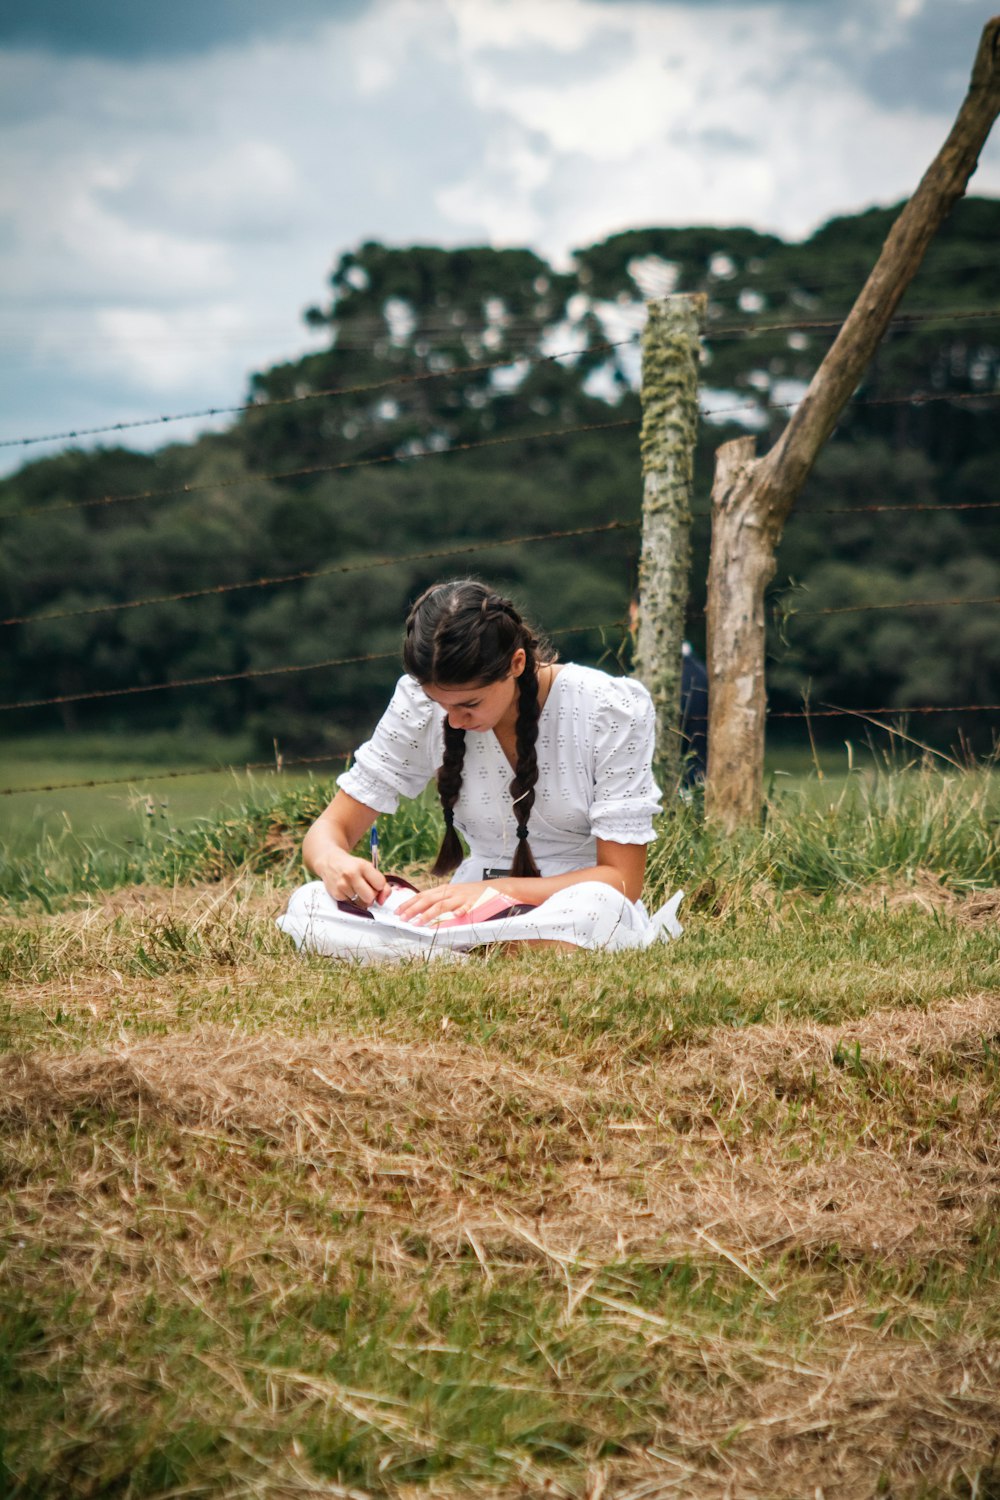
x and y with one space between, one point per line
670 352
741 565
752 497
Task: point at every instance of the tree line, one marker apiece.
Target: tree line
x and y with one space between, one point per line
472 332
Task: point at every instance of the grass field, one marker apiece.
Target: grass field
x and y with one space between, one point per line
127 810
716 1220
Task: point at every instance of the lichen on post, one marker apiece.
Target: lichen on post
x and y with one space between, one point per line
670 352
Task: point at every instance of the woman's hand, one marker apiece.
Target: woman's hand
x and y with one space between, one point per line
424 910
349 879
326 850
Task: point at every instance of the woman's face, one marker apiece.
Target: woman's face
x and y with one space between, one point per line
476 707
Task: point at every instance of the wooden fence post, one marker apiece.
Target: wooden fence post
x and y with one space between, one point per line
670 353
752 497
741 565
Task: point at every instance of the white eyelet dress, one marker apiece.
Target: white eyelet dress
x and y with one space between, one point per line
594 751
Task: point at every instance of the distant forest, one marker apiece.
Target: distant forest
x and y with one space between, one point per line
429 312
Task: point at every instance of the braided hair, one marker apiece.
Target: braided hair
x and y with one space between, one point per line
463 632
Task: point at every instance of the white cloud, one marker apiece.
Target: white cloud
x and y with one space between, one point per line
165 352
562 25
381 41
501 198
166 220
245 187
697 123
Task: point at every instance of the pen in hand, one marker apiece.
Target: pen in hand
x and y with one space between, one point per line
373 855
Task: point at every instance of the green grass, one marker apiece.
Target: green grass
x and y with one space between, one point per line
130 812
115 812
97 838
806 961
884 824
504 1228
716 1217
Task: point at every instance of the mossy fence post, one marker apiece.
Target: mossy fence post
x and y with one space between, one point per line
670 356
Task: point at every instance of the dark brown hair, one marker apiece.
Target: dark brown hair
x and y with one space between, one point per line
463 632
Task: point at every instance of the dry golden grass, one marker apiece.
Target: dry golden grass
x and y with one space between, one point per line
273 1228
931 894
769 1136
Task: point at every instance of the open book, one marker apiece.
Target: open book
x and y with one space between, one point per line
488 907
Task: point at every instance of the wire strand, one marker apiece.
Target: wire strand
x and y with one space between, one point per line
215 678
930 708
222 677
250 765
917 398
365 388
357 463
805 508
336 755
304 574
734 330
851 609
308 573
187 682
949 315
850 510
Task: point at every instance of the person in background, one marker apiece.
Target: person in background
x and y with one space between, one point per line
694 716
694 705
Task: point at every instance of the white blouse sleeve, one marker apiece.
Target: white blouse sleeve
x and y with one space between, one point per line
626 798
402 755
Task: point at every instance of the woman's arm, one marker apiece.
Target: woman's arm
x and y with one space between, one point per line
326 851
622 866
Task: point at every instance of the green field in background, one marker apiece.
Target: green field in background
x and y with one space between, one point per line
128 811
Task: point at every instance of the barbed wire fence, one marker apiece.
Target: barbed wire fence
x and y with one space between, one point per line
732 330
881 716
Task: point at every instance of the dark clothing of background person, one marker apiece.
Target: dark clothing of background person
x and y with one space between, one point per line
694 717
694 705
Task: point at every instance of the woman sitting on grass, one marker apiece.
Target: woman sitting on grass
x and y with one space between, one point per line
544 768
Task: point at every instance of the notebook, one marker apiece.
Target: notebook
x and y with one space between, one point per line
488 907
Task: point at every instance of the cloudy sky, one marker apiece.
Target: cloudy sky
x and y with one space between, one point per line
177 180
